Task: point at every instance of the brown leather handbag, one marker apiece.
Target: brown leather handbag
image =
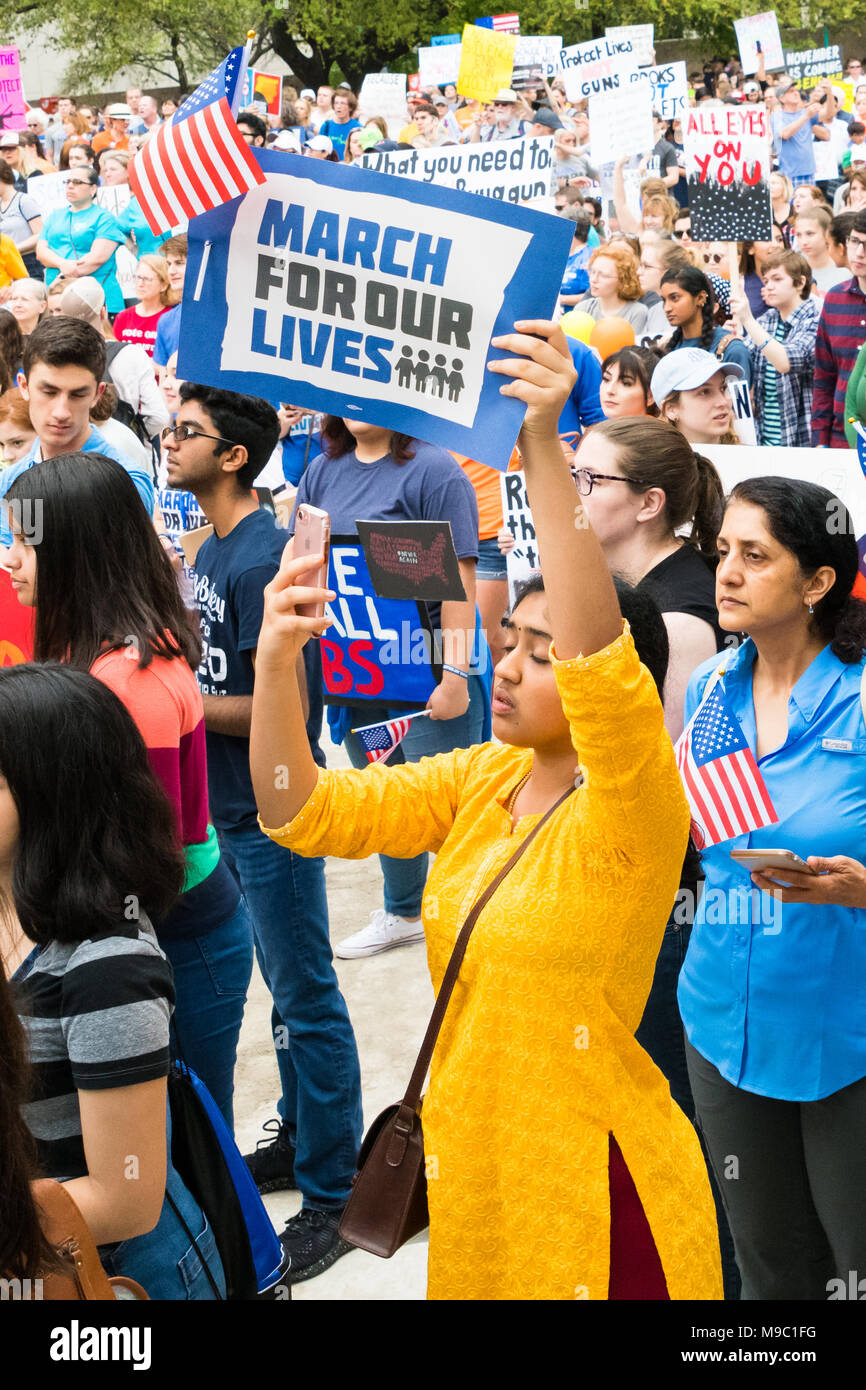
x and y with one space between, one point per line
388 1202
79 1274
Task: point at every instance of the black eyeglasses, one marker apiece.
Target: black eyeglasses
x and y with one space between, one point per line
180 433
857 242
586 480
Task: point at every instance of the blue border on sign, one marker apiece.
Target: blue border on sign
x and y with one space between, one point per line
531 294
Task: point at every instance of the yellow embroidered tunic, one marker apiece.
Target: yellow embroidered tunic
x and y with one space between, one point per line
536 1063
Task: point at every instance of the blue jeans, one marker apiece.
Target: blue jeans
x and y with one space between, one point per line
164 1262
211 977
316 1051
661 1034
405 878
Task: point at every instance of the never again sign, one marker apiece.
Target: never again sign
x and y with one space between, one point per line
368 296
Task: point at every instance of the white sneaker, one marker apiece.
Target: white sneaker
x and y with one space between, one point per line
383 931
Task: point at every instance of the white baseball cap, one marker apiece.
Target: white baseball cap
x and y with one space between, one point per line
321 142
8 138
288 142
685 369
83 300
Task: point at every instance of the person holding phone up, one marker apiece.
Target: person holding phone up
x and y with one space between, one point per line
551 1128
773 1000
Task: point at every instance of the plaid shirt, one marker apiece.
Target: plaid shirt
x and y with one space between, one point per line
793 388
841 334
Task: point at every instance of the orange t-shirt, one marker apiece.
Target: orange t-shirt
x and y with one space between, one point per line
106 141
485 481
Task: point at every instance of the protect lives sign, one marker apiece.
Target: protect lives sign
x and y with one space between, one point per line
368 296
376 649
516 171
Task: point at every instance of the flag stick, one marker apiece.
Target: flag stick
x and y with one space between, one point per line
417 715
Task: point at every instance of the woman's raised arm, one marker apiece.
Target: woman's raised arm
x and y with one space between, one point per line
584 610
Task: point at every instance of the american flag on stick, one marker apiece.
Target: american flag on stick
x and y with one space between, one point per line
722 783
501 23
379 740
198 159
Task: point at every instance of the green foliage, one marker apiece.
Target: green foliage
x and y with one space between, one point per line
173 41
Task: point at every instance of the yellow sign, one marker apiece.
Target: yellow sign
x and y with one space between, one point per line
486 62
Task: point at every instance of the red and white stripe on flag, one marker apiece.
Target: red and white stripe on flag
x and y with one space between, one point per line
506 23
727 795
191 166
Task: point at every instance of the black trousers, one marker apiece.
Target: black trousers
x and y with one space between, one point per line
792 1175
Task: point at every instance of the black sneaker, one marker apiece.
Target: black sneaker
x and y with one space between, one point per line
273 1163
313 1243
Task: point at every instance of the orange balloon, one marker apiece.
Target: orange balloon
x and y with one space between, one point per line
611 334
578 324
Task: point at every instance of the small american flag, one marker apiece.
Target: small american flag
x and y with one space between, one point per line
501 23
724 789
378 740
199 159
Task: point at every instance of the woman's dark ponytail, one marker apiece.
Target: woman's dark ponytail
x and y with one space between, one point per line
709 507
848 628
709 323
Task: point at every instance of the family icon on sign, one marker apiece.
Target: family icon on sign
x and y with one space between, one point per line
430 377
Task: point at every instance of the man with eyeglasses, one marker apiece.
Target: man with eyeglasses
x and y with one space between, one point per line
219 445
82 239
841 333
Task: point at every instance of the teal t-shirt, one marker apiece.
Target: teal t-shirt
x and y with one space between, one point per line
132 220
71 234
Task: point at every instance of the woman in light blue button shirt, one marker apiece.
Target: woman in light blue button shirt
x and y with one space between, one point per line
772 992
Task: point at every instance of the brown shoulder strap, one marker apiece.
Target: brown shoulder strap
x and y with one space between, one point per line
413 1091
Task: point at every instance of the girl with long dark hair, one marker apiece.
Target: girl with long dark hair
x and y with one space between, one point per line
689 308
771 992
88 861
107 602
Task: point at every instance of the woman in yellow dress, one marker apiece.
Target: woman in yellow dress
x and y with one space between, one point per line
560 1167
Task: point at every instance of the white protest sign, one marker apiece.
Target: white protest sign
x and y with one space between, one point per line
744 420
536 53
670 88
836 469
517 171
826 159
641 36
727 161
114 197
602 65
383 94
622 122
49 191
439 65
760 29
523 560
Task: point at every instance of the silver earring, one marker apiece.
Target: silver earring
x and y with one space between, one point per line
811 610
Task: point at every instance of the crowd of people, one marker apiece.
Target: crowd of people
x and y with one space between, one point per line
651 1081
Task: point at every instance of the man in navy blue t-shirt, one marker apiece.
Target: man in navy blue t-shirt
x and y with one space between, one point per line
221 443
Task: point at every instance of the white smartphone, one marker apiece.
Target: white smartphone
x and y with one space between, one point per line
312 537
753 859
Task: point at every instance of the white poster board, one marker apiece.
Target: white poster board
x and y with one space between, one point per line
760 29
516 171
602 65
622 122
670 88
439 65
523 560
642 40
383 94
